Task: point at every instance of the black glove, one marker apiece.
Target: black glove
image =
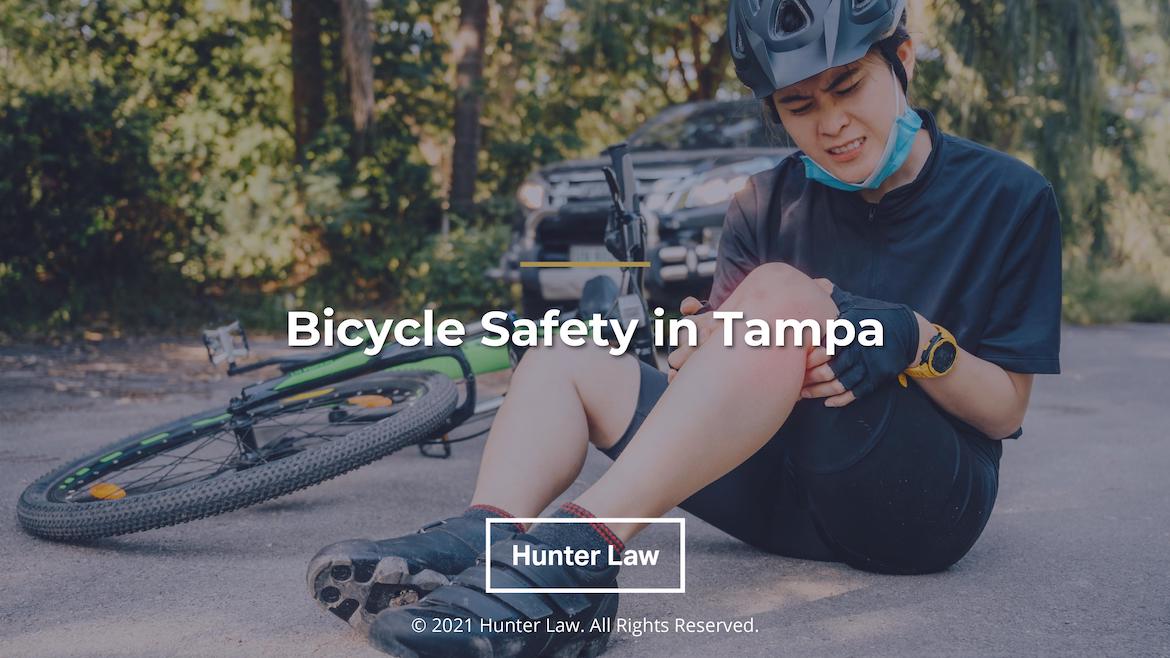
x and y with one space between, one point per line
862 369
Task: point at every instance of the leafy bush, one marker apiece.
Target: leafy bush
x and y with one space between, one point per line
86 227
447 274
149 175
1113 295
368 220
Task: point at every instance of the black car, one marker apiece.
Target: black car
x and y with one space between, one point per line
689 161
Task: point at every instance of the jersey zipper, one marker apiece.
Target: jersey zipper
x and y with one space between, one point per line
871 224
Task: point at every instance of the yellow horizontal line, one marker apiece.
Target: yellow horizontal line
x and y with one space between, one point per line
584 263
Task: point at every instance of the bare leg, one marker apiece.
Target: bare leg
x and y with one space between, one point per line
563 398
705 424
559 399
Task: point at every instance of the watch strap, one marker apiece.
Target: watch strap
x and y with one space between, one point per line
925 368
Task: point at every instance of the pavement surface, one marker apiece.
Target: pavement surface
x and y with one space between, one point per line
1075 559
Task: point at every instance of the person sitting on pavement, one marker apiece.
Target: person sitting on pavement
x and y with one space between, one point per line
884 458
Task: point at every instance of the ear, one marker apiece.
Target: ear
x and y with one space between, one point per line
907 57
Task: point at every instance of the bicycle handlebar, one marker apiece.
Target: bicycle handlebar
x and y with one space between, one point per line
623 166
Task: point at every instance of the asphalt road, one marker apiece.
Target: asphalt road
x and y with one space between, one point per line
1075 559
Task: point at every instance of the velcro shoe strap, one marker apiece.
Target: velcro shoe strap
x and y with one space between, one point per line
549 576
459 601
441 540
469 532
529 604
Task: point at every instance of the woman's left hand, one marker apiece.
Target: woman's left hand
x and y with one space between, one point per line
862 368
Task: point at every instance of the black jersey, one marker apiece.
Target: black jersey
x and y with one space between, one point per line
973 244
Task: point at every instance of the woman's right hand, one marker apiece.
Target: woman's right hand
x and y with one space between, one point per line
705 327
816 370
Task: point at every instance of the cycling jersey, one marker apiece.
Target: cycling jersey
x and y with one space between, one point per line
972 243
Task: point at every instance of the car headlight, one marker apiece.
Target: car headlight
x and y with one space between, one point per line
714 190
532 195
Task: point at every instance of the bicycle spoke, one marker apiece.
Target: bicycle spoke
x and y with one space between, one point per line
175 460
280 432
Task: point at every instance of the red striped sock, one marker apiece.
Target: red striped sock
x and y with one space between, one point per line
595 535
489 511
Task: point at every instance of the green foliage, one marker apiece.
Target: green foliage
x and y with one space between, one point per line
1113 295
370 219
196 174
565 79
86 224
146 148
448 273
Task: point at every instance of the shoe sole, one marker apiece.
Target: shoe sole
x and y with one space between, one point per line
588 645
354 583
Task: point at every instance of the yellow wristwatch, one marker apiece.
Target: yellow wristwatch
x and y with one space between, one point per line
938 358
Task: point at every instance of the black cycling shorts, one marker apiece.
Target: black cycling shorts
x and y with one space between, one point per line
884 484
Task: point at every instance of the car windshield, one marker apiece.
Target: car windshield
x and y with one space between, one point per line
728 125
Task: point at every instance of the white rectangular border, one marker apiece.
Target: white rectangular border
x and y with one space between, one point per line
681 522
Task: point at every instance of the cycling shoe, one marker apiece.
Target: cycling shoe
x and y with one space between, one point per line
462 619
358 578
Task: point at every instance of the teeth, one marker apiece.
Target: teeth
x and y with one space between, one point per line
851 146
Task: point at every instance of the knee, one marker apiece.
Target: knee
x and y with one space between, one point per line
560 361
778 290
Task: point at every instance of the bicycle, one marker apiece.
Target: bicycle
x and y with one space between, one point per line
321 417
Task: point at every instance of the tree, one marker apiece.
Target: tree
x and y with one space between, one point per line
1034 79
357 55
468 50
680 47
308 75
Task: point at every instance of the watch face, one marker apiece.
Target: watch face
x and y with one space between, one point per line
944 357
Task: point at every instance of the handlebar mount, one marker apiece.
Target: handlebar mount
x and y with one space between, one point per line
625 238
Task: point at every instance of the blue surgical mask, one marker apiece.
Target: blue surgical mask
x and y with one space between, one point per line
898 145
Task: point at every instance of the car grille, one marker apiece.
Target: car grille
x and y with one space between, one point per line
575 223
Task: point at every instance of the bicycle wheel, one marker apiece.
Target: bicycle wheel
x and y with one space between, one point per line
212 462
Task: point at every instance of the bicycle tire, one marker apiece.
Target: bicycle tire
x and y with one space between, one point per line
74 522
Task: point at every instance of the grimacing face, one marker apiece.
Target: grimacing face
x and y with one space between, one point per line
841 118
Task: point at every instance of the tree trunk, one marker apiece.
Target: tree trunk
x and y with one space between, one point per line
307 73
468 51
710 73
357 48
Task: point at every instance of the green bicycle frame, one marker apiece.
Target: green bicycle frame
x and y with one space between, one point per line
463 362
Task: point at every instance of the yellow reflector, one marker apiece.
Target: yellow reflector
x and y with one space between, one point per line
107 491
305 396
370 401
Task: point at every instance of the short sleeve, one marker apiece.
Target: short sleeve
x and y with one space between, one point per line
1023 330
736 256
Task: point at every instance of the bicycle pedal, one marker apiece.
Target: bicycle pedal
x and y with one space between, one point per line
228 343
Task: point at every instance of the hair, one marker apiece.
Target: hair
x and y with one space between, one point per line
887 49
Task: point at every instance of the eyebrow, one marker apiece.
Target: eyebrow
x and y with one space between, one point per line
837 81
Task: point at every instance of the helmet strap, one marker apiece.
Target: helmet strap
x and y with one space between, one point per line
889 50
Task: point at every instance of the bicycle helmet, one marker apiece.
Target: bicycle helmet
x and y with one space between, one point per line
775 43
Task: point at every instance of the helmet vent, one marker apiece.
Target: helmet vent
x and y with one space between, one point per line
739 41
754 5
859 6
789 18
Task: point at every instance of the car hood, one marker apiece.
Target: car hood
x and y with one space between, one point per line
694 161
582 181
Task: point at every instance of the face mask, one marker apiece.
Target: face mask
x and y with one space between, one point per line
898 145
